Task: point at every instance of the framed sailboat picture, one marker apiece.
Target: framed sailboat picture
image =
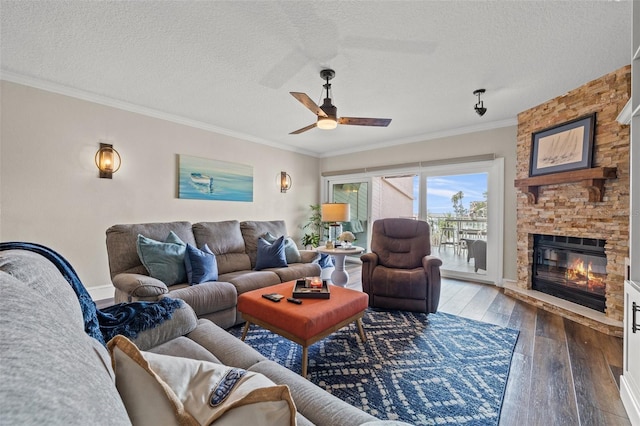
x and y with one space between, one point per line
205 179
568 146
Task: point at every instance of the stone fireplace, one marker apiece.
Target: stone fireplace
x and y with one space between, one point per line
571 212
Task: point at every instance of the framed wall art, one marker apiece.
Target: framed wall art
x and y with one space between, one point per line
568 146
205 179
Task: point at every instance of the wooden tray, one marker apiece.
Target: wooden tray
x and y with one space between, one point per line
302 292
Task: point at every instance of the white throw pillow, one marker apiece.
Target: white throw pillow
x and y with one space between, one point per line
161 389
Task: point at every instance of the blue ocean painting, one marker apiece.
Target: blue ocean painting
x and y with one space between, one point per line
205 179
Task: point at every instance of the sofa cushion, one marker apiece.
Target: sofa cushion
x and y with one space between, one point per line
297 271
52 371
252 230
163 260
226 242
201 265
270 255
291 251
224 346
251 280
186 348
121 243
207 297
160 389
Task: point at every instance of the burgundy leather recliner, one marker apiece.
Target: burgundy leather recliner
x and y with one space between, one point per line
400 273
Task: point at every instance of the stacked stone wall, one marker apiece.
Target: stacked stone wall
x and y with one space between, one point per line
565 209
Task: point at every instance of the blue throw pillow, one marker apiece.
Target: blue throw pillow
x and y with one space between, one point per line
201 265
325 261
163 260
291 252
270 255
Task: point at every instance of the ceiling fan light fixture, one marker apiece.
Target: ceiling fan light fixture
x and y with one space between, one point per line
327 123
327 113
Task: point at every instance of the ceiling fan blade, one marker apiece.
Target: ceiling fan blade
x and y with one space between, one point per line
360 121
306 101
304 129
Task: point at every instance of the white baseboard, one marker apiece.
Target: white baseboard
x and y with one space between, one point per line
102 292
505 282
631 402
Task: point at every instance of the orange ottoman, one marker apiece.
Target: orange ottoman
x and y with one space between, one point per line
307 323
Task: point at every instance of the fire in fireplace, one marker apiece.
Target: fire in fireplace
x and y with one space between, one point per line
571 268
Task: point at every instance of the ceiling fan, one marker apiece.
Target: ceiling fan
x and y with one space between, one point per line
328 114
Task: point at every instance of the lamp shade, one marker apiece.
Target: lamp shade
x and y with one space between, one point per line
335 212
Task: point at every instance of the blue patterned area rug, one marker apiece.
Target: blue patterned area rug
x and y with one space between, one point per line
439 369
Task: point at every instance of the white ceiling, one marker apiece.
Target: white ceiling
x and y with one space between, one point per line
229 66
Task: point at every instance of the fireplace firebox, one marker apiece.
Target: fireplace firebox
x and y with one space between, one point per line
573 269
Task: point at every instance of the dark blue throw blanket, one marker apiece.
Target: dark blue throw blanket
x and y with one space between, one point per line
127 319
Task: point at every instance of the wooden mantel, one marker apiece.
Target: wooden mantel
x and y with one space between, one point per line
593 179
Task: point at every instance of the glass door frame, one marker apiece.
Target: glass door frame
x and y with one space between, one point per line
326 194
495 207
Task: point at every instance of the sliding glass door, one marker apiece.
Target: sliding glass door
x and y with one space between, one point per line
463 204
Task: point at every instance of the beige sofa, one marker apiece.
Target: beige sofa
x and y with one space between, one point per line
55 373
234 245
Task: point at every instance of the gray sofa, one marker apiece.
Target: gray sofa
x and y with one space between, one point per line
54 373
234 245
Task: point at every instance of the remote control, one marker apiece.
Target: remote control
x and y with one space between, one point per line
296 301
273 297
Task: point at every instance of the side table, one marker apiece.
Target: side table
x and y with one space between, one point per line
339 276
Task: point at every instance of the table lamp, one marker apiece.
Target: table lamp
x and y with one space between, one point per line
335 213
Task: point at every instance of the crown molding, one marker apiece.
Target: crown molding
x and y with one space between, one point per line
138 109
429 136
625 115
150 112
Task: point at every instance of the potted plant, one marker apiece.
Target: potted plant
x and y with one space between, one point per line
316 227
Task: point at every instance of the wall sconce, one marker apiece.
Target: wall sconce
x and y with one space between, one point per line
108 160
285 182
479 107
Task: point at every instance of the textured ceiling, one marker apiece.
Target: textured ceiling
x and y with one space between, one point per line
229 65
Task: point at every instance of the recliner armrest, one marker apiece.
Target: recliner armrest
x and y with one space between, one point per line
369 262
139 286
431 265
429 262
370 258
182 321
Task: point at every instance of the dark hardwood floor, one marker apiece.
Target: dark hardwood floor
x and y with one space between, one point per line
562 373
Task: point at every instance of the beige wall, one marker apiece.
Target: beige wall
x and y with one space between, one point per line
501 142
50 192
